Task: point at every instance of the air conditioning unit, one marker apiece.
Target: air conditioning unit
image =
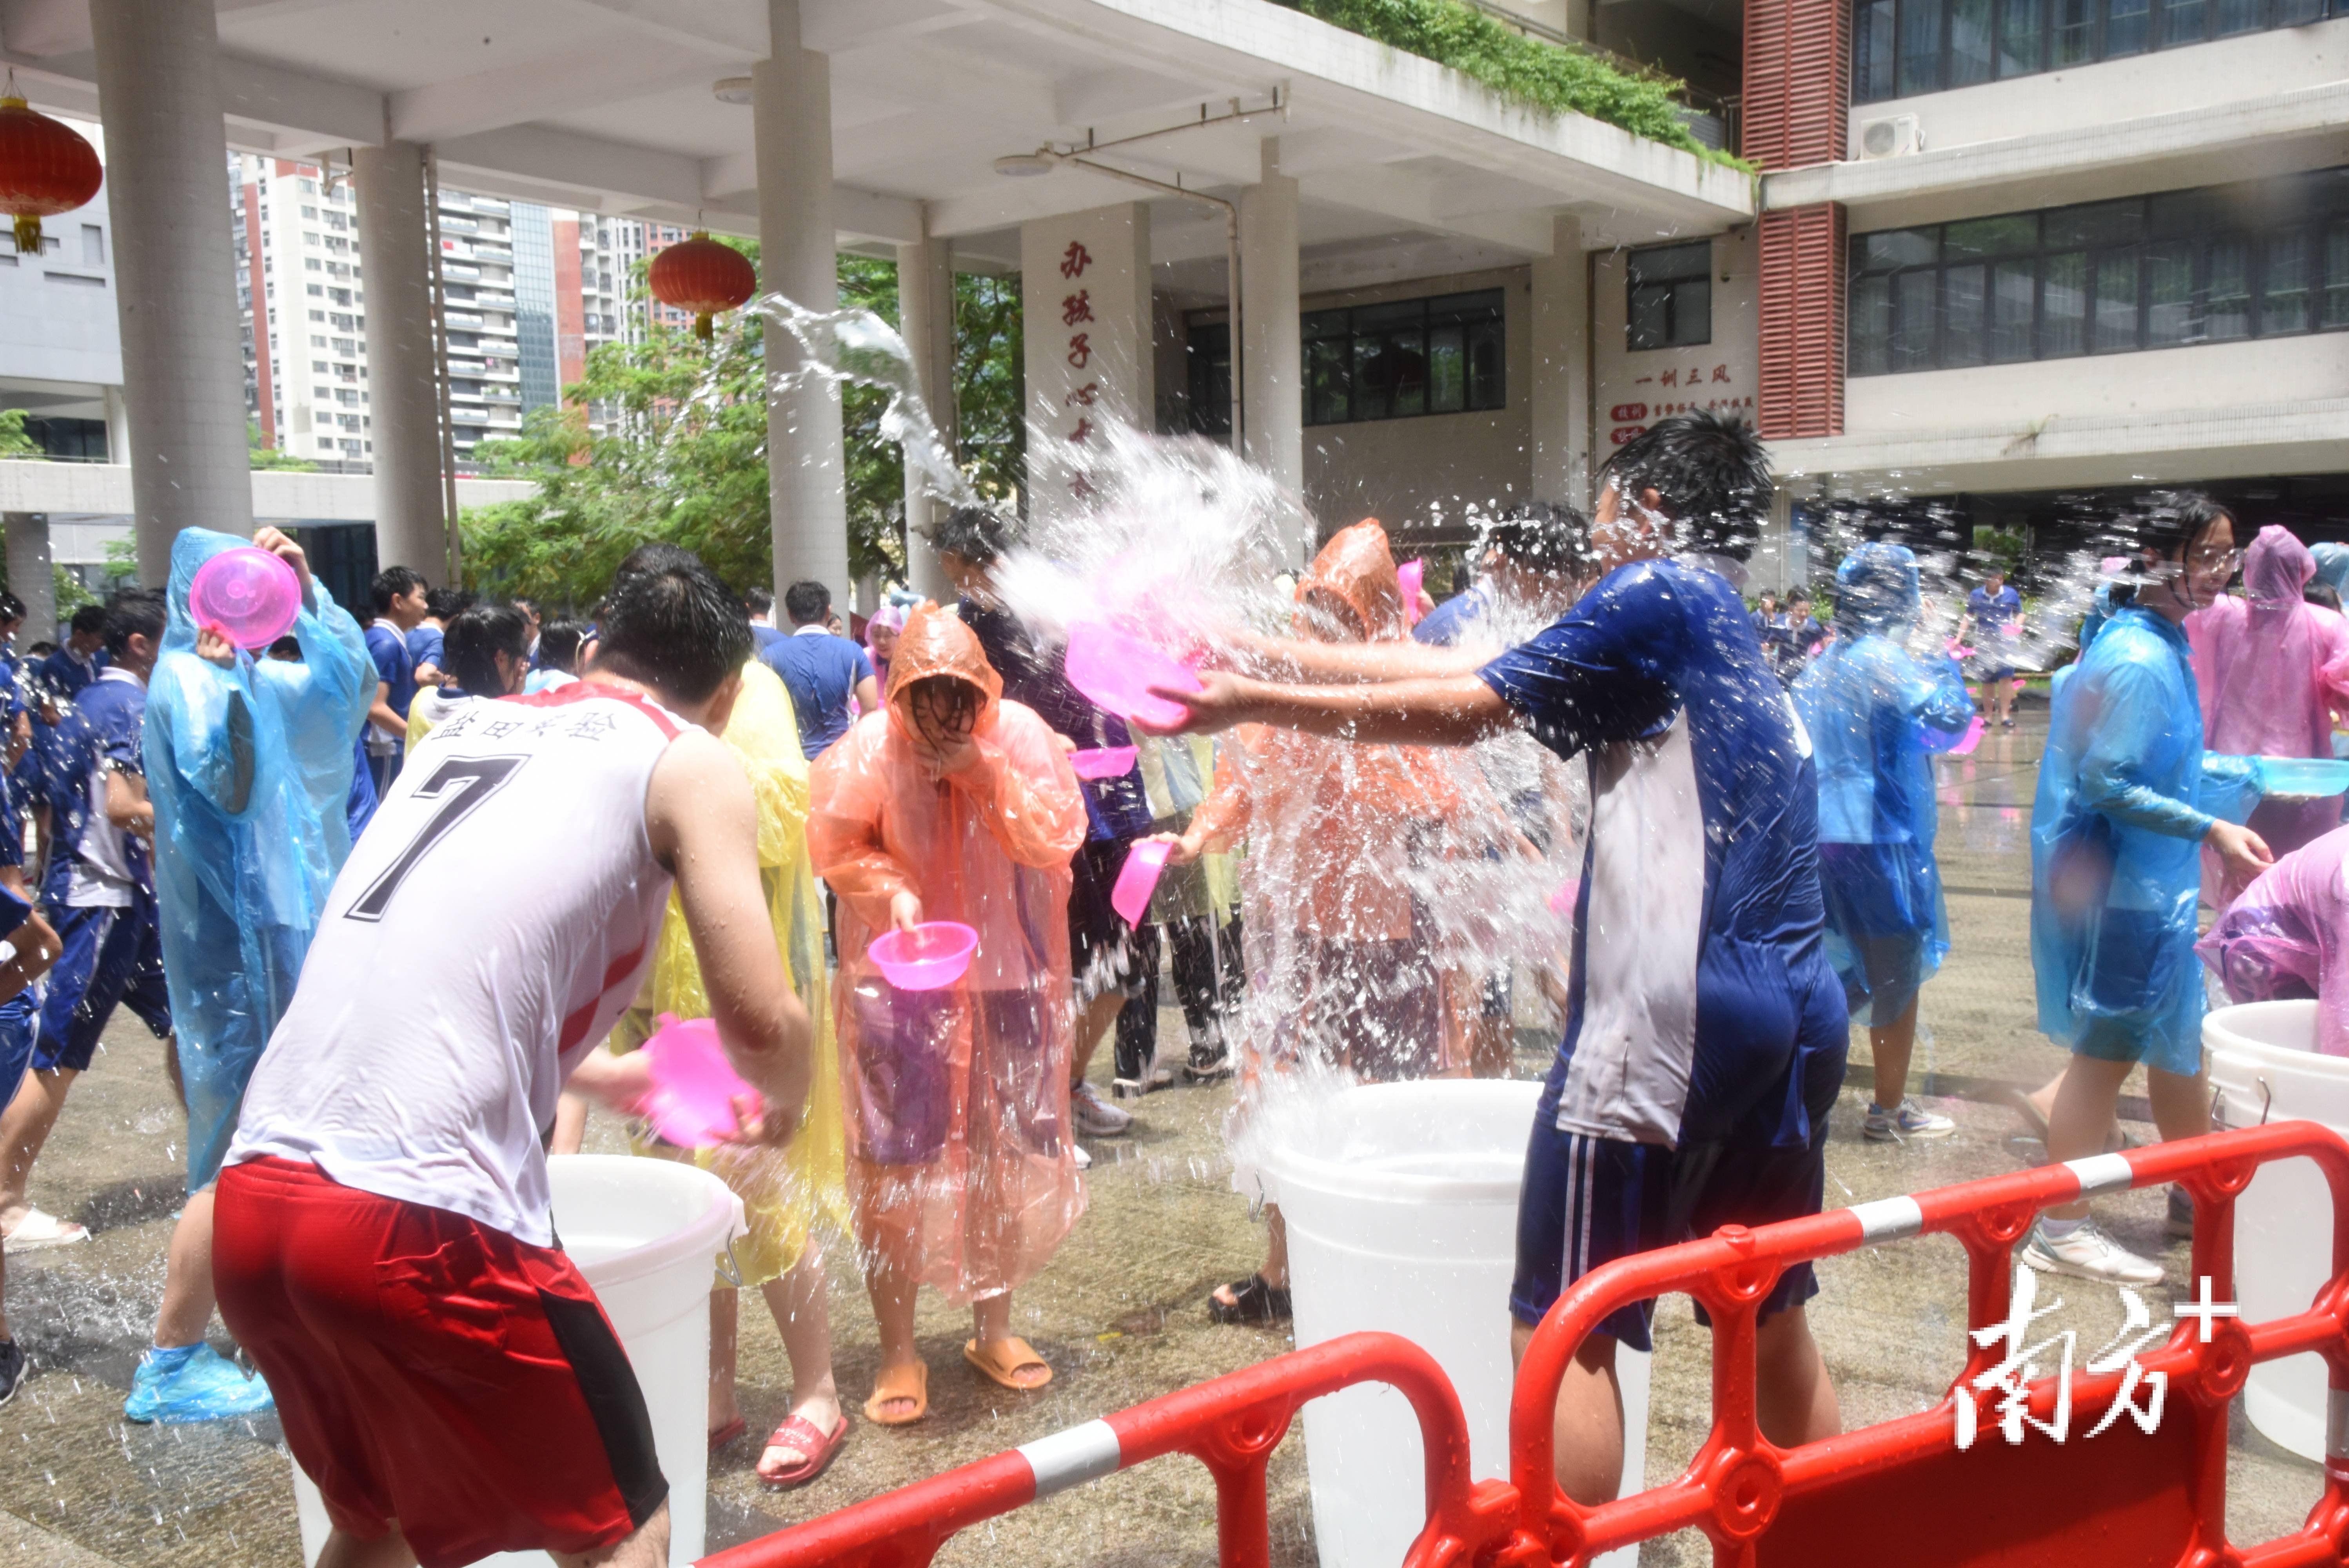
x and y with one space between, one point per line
1894 137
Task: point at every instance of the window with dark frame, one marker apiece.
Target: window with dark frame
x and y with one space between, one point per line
1442 354
1901 48
1669 303
2263 259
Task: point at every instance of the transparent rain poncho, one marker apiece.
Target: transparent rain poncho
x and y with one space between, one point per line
1876 712
2333 566
961 1157
250 770
2272 670
1344 964
789 1192
2124 797
2288 935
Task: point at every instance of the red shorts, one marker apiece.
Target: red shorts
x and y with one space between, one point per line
431 1371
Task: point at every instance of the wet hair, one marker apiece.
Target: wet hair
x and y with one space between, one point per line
393 582
758 600
476 635
1798 594
1710 472
445 604
40 650
807 602
2319 591
558 645
670 624
132 613
11 607
1540 537
287 649
973 532
88 621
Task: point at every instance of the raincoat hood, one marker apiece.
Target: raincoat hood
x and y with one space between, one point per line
2333 565
191 547
2275 569
935 643
1357 568
1876 587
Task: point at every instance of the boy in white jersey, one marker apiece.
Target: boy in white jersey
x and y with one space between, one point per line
383 1246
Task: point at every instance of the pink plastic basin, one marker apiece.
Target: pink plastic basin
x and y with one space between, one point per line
1410 576
694 1086
1971 739
1138 879
934 953
1117 672
1561 903
248 596
1104 761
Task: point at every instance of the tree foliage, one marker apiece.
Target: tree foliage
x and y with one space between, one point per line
682 453
16 444
266 457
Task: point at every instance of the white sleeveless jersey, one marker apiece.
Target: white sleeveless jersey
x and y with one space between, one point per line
489 927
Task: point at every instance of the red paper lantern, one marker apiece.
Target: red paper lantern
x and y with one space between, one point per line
703 276
45 169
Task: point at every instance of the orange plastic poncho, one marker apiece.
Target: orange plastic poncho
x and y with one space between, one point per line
960 1156
1337 835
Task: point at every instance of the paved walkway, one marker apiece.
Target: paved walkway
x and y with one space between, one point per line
1119 1314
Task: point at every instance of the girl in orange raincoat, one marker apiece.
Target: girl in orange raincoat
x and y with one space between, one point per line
1337 835
953 804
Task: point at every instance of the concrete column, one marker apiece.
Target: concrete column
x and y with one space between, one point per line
1272 354
1085 289
1561 406
807 496
411 524
925 319
174 269
118 426
31 575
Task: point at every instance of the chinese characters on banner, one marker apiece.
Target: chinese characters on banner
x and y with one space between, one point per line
2000 1395
1087 338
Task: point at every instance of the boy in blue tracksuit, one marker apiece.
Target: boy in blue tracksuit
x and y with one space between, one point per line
99 894
1705 1029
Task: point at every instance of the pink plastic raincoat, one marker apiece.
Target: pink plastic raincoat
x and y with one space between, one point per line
2288 934
960 1156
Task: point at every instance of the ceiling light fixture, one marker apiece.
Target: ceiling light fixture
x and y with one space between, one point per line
1026 165
731 89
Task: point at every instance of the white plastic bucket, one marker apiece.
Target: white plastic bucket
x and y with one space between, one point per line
1402 1206
2265 1067
645 1234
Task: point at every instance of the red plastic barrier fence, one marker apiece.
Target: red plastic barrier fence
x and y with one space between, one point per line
1230 1424
1900 1492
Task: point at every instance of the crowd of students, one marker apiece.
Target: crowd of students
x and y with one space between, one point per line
720 814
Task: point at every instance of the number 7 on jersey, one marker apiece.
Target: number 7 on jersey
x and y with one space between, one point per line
459 784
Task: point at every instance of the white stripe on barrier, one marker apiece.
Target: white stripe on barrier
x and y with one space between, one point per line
2101 1173
1888 1219
1072 1457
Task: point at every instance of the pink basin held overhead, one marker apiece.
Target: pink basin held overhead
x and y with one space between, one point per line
247 596
694 1086
1117 672
934 953
1104 761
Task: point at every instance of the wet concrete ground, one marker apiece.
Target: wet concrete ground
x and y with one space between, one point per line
1119 1315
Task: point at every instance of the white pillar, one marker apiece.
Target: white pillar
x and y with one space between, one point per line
807 497
1560 404
1084 298
411 524
32 577
926 321
174 270
1272 361
118 426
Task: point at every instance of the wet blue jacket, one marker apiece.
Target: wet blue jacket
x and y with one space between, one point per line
249 771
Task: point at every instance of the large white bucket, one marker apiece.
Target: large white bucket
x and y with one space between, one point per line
2264 1066
646 1234
1402 1206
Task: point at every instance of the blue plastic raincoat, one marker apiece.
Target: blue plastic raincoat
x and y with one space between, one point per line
250 771
2126 794
1875 712
2333 566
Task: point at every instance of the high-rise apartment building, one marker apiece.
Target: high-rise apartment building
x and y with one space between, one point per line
303 308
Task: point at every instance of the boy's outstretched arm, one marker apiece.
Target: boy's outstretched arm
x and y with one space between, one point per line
1300 659
1438 710
704 825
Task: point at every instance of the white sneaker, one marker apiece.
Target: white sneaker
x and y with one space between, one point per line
1911 1121
2088 1253
1095 1117
1084 1160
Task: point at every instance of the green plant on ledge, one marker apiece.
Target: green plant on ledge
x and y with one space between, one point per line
1540 74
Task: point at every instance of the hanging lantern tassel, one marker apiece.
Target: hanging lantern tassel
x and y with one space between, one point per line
45 169
703 276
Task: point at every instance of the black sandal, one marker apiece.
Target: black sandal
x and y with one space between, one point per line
1252 1301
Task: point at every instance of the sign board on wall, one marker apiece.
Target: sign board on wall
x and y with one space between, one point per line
1634 388
1084 284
